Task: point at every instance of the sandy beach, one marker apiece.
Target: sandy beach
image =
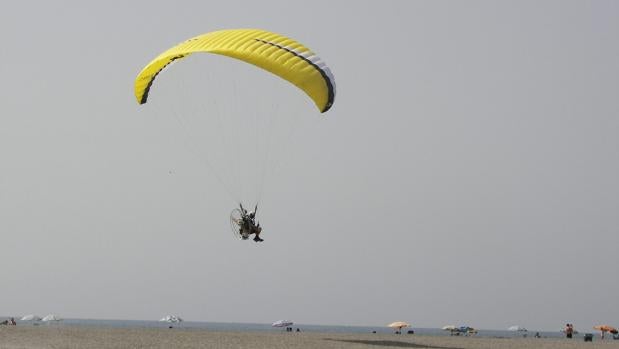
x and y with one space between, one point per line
39 337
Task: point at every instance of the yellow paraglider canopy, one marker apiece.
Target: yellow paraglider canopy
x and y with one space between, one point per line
275 53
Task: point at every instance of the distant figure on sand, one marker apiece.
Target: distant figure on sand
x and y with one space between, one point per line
10 322
569 330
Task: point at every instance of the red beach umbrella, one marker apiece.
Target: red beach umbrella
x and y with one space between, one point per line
606 328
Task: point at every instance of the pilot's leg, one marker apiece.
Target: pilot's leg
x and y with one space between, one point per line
257 231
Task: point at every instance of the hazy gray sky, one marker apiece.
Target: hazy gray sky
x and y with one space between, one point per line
467 173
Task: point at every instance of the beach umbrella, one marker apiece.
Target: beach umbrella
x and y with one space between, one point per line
606 328
51 317
466 329
517 328
399 325
452 329
31 317
282 323
171 319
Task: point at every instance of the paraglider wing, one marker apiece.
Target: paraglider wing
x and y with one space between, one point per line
275 53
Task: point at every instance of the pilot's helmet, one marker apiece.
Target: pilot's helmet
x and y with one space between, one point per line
252 215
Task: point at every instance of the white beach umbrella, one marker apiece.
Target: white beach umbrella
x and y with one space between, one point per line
51 317
517 328
282 323
449 328
31 317
398 325
172 319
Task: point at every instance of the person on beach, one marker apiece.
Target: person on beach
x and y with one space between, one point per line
249 225
9 322
569 330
